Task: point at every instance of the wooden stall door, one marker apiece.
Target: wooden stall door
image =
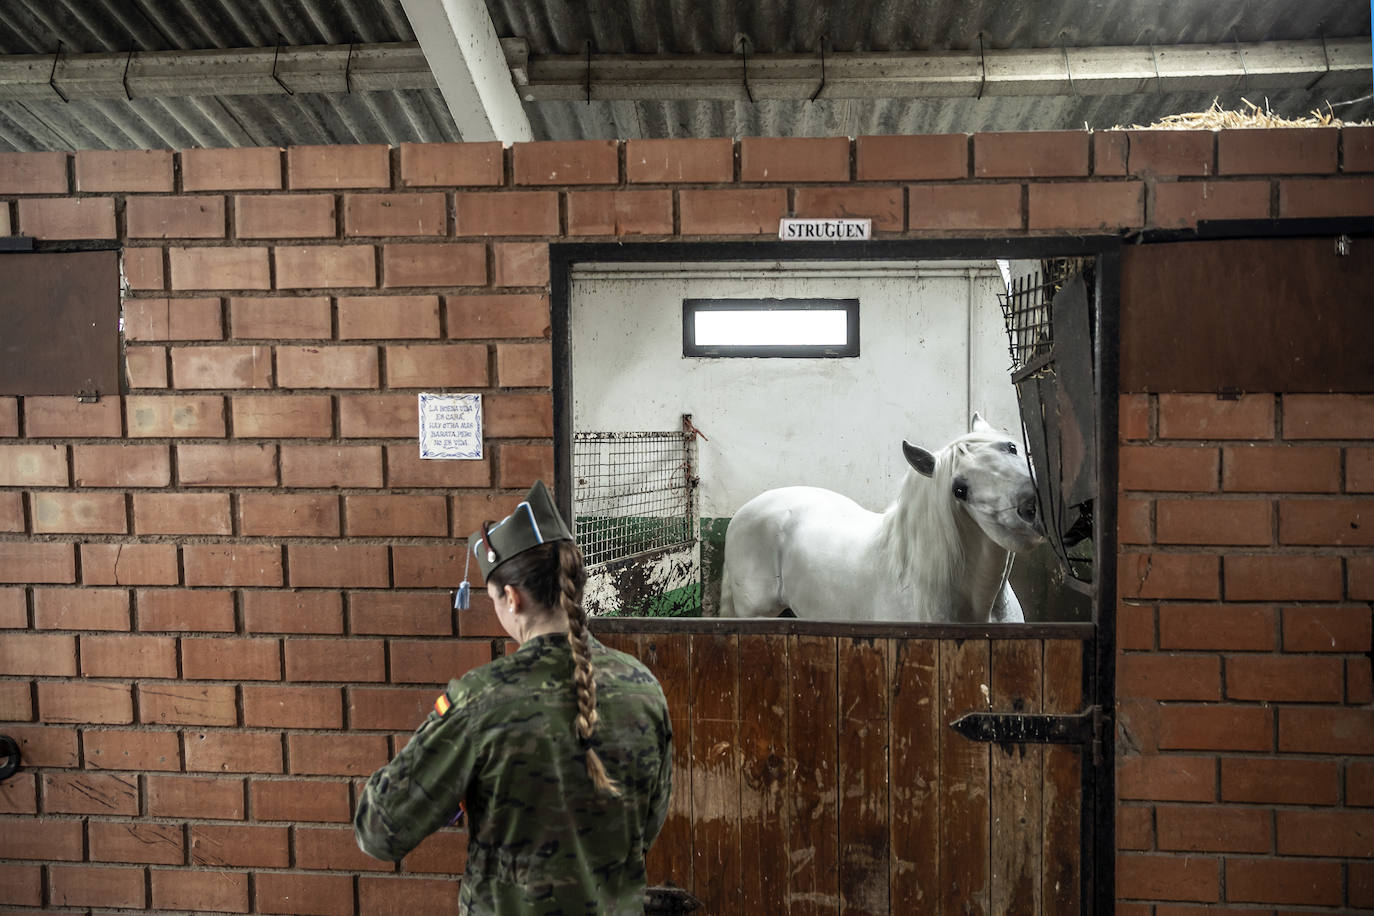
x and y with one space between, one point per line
817 774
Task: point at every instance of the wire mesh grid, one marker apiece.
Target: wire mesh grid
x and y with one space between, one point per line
633 492
1026 309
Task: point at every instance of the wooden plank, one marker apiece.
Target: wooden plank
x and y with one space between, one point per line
813 706
964 772
670 859
763 739
863 783
715 785
1016 782
915 767
1062 784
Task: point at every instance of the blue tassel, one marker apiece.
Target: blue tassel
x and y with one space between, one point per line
462 599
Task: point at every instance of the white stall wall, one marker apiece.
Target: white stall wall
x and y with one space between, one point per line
932 350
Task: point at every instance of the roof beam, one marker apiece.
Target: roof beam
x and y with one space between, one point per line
466 57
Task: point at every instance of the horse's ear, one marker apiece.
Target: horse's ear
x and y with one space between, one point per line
980 425
920 459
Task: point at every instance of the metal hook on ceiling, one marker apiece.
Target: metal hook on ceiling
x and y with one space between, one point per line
1245 71
1154 59
127 63
1326 59
280 41
982 66
815 94
589 70
348 68
742 42
1064 46
52 77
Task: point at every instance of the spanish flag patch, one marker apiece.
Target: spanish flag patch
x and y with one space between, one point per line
442 704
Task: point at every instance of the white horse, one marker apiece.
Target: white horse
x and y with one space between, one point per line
941 552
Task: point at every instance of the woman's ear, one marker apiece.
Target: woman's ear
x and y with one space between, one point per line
515 599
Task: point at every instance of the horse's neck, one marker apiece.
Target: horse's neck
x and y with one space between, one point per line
984 571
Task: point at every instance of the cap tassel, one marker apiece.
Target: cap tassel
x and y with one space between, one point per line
463 599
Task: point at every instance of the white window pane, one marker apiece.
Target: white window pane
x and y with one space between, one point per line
773 327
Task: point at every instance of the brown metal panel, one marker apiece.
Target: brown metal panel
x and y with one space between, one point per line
670 859
915 765
813 804
1283 315
1016 782
1061 784
60 315
964 775
763 737
715 785
863 783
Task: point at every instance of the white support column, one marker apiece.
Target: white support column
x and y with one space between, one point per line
465 55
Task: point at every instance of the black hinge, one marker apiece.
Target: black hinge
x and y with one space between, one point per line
1017 728
666 899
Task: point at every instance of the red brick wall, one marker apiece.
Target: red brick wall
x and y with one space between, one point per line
224 596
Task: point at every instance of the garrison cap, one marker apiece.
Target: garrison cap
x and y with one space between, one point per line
535 521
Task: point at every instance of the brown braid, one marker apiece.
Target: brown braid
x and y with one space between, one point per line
571 578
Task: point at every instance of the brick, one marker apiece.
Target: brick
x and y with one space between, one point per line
240 845
9 416
335 660
23 884
1357 149
289 514
200 891
1281 781
1283 881
1277 151
1278 578
1110 149
65 417
37 563
331 466
123 170
524 365
293 612
1359 470
1169 468
222 367
1179 204
395 214
1325 833
160 416
1280 679
319 266
1280 469
236 659
145 367
232 564
1040 154
885 206
489 213
1215 521
143 268
1216 627
33 466
1317 730
204 610
128 656
380 317
396 515
14 612
1222 728
620 213
333 849
194 796
244 169
44 747
80 608
1359 681
233 752
378 895
1135 627
1167 778
566 163
1163 877
282 416
354 166
46 838
426 566
451 164
292 707
390 708
227 465
435 264
315 895
141 750
195 217
1348 522
19 793
437 366
67 218
732 212
702 161
336 755
78 513
339 566
219 268
1325 197
188 704
438 854
518 415
123 465
1361 883
1169 575
794 159
129 564
429 661
1359 783
521 465
929 157
378 415
284 216
87 885
1188 828
311 801
405 468
1169 677
90 793
1205 416
400 613
1171 152
510 315
125 841
33 173
1099 205
1326 629
1133 525
282 318
520 264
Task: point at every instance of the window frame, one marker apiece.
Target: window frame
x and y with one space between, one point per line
850 348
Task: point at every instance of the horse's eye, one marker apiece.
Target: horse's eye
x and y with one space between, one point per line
961 491
1011 448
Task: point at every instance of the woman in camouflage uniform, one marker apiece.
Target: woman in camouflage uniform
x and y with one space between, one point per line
560 753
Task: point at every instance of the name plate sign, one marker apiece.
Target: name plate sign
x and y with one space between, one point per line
825 230
451 426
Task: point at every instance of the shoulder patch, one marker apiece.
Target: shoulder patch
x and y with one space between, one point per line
442 704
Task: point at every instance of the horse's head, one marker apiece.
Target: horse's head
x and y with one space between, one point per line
987 477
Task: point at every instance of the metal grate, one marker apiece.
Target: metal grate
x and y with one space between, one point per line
633 492
1026 309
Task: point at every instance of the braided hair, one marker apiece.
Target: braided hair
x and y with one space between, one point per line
553 576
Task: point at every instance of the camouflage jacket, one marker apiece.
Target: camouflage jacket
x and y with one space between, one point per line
541 840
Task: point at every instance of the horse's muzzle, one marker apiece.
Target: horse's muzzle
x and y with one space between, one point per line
1028 510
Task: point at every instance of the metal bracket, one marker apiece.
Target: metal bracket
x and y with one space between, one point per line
1007 729
85 396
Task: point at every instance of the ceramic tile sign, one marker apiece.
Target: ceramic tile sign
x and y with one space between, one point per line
451 426
825 230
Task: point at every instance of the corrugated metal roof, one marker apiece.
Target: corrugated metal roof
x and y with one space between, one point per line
630 26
